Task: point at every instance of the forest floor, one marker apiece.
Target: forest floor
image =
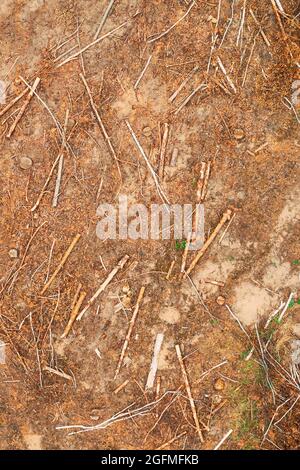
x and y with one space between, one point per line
243 123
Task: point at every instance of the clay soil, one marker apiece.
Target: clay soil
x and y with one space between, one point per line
250 134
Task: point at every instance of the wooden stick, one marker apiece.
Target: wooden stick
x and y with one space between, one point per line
58 372
154 363
23 109
130 328
14 101
74 314
205 183
200 182
170 270
60 164
227 228
104 18
261 31
173 26
75 298
200 87
230 82
153 174
223 439
120 387
171 441
189 392
92 44
36 205
185 253
182 85
284 35
215 283
100 123
143 72
61 264
163 149
225 218
104 284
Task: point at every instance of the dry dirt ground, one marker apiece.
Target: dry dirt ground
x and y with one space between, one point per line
243 124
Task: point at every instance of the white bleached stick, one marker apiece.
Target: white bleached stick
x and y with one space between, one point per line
142 152
154 363
104 284
286 307
104 18
223 439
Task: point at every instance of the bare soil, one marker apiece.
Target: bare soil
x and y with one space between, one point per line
257 259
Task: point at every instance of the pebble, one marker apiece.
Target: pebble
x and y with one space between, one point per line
147 131
220 300
219 385
239 134
95 414
13 253
25 163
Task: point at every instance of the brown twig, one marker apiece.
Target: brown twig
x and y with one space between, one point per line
104 284
101 125
189 392
225 218
167 444
23 108
120 387
163 151
130 328
92 44
14 101
74 314
61 264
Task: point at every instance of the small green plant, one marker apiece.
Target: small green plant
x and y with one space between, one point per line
296 262
294 302
180 245
246 353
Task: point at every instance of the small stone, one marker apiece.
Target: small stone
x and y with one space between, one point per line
220 300
147 131
25 163
95 414
13 253
219 385
239 134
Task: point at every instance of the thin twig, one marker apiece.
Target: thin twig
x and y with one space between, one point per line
104 284
159 36
92 44
61 264
104 18
130 328
225 218
101 125
143 72
23 108
142 152
188 390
